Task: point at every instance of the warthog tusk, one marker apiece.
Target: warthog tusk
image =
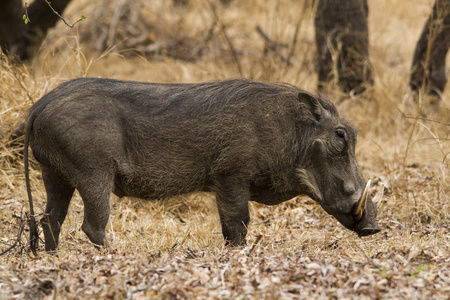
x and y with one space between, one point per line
359 210
379 196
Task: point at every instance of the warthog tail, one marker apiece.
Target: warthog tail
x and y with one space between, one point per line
34 235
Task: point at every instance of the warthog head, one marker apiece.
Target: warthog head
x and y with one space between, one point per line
330 172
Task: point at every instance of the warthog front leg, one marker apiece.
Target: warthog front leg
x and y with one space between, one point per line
232 196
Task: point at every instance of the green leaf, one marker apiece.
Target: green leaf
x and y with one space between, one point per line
24 17
82 17
26 21
420 269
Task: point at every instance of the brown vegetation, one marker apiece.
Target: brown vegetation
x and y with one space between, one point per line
174 248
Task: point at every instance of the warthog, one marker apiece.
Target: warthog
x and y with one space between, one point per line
239 139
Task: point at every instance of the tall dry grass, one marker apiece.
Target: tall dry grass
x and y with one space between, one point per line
406 158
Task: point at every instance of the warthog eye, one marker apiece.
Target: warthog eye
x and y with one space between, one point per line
340 133
339 141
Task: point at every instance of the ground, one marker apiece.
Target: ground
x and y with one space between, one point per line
173 249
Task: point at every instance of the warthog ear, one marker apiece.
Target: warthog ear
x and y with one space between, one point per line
311 105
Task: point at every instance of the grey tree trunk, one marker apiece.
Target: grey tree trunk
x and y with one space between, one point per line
342 44
18 38
428 66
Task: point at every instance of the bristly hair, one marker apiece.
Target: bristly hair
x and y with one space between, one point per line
305 181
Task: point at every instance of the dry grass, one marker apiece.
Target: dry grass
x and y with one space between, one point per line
174 248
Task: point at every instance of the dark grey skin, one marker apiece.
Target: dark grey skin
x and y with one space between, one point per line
239 139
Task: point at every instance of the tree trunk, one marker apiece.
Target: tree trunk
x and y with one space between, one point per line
342 44
428 66
18 38
12 26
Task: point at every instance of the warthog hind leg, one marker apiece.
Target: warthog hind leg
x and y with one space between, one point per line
59 193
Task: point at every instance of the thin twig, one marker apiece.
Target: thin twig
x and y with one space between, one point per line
258 238
370 260
433 139
294 43
64 20
274 46
423 119
26 12
55 12
19 235
272 43
136 290
118 10
297 29
230 44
